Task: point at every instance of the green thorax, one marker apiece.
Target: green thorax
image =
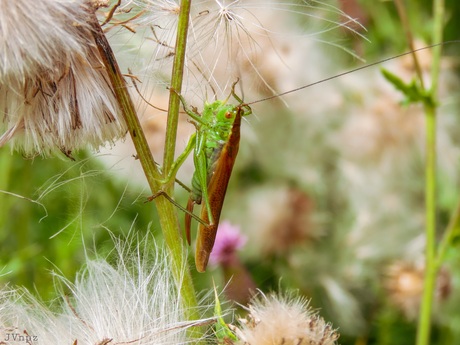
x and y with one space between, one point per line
215 126
218 118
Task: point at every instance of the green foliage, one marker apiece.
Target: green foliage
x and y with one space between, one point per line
56 212
412 90
222 331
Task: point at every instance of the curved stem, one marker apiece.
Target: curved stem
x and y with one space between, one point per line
452 230
167 213
410 39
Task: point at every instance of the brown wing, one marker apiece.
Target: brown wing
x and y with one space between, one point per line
217 188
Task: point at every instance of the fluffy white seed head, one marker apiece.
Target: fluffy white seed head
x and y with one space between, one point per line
54 90
286 320
135 301
35 33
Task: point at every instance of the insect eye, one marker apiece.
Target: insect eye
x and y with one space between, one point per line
228 115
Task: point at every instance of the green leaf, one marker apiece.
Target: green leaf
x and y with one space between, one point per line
222 331
412 91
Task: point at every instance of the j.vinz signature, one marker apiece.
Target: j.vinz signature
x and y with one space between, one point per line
13 335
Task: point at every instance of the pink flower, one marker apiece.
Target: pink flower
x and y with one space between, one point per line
239 284
228 240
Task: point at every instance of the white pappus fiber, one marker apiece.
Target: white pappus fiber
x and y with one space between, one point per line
284 320
54 91
135 301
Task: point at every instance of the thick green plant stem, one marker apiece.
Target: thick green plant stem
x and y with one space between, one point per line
171 237
424 324
176 85
166 211
431 264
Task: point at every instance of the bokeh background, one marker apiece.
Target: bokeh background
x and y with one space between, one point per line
327 189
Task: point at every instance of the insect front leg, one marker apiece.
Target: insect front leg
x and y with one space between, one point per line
191 111
172 173
180 160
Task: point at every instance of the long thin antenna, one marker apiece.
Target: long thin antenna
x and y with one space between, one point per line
353 70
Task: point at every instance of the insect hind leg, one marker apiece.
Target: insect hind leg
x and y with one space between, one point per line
175 203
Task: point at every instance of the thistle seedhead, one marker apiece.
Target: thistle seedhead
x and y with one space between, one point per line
286 320
54 91
404 286
135 301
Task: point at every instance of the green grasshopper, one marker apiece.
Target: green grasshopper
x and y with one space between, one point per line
215 144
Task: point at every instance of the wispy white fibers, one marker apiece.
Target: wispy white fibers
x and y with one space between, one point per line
284 320
54 91
267 45
134 301
230 39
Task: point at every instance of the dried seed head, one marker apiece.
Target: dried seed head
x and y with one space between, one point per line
132 301
282 219
285 320
404 285
54 91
